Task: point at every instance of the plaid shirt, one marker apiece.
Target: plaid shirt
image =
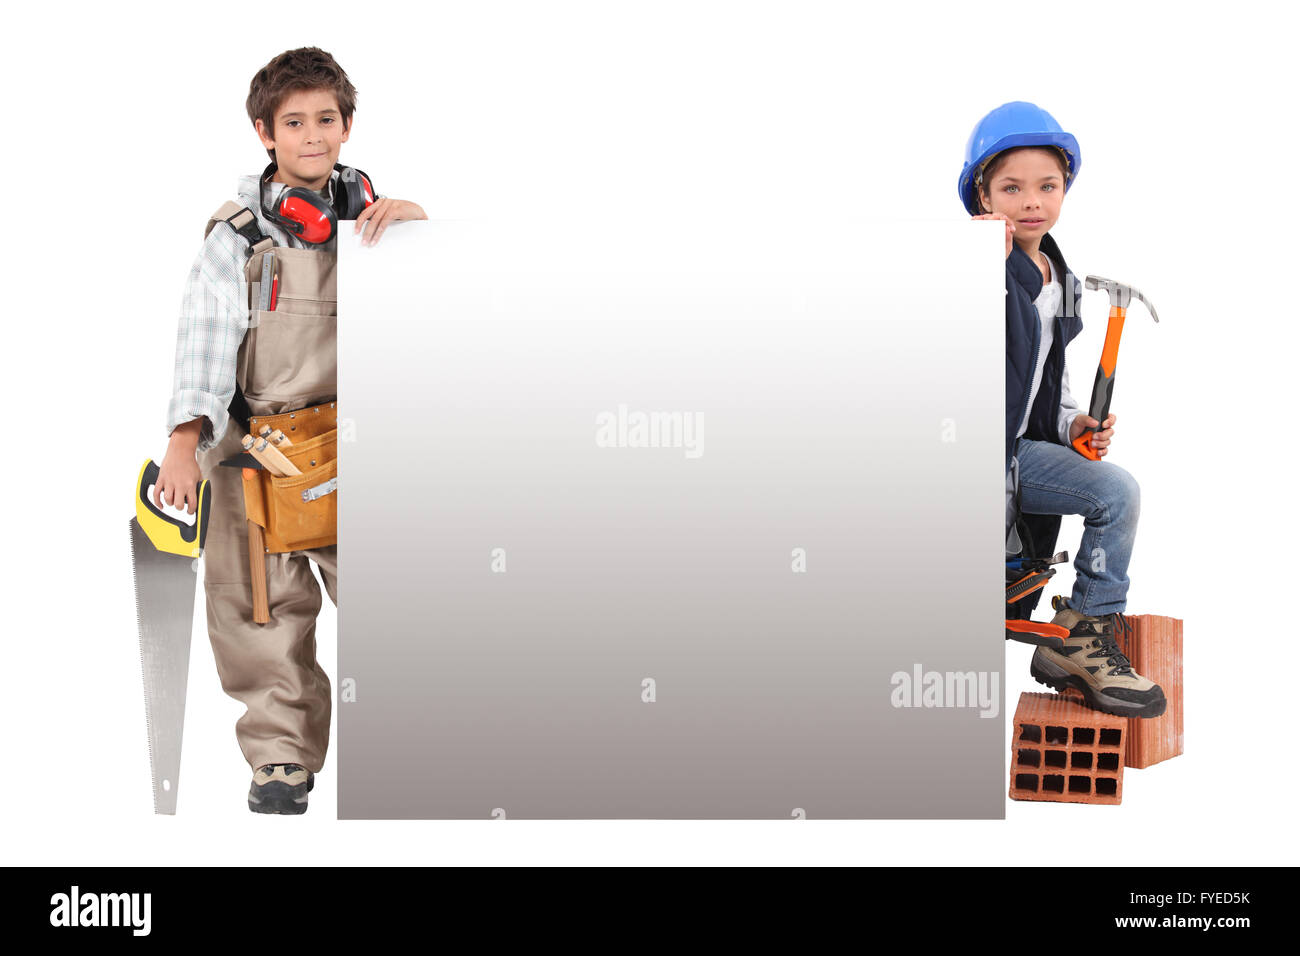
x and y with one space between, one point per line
214 318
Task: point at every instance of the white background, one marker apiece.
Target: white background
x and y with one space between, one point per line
126 128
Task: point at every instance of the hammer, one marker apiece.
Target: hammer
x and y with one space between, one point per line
1120 295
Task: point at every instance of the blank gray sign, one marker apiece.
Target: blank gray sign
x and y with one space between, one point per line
671 520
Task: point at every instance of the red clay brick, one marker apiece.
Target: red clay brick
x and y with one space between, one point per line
1064 752
1154 645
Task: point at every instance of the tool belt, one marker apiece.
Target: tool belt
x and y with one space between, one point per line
298 511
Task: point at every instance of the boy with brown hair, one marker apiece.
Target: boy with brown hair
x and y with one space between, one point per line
257 357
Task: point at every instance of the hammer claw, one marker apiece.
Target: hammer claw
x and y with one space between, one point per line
1120 293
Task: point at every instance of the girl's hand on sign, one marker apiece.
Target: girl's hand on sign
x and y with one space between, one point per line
1011 226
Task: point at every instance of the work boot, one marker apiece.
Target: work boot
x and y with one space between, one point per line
280 788
1091 662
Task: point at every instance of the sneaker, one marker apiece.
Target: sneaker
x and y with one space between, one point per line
280 788
1090 661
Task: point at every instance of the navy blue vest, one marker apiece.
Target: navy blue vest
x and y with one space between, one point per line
1024 334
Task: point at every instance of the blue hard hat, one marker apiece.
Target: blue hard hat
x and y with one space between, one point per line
1008 126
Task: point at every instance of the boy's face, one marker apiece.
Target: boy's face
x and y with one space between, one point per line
1028 189
307 135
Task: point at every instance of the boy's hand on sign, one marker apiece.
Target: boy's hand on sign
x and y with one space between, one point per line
1011 226
1100 438
382 212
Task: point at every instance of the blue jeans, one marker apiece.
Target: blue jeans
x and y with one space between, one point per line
1056 480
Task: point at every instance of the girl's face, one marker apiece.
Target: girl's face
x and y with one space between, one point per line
1028 189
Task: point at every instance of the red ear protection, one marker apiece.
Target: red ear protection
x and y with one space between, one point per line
309 216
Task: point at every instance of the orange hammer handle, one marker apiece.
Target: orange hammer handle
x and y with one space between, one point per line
1104 384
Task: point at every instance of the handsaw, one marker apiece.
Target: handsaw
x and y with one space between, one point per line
165 555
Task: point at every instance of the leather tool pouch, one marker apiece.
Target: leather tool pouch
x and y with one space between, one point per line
299 511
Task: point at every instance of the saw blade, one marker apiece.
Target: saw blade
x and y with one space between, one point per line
164 605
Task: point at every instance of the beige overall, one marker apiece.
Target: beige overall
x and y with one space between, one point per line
286 365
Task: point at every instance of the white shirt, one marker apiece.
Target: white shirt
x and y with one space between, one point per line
1048 305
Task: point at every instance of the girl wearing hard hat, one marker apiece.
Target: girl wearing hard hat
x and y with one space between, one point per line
1019 166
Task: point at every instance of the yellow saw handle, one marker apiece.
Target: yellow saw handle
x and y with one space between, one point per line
168 533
